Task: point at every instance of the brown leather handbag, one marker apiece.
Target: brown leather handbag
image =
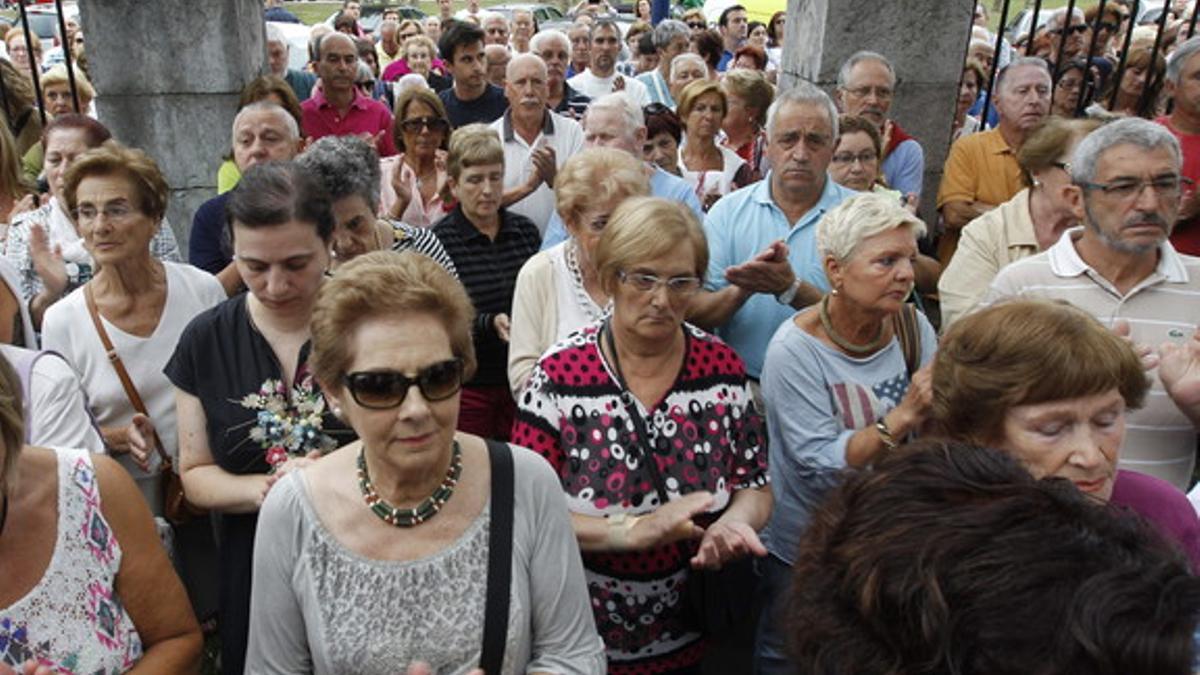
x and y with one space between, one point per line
176 508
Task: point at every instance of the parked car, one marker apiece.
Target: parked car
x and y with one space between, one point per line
43 22
296 35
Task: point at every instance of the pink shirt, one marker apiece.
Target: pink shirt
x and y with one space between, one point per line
365 116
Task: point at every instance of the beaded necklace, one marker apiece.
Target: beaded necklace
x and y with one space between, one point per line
422 512
590 308
842 342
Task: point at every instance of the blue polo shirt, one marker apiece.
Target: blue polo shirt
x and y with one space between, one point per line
740 226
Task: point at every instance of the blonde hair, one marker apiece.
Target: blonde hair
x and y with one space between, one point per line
421 40
58 75
111 159
693 92
597 176
752 87
860 217
386 284
644 228
473 145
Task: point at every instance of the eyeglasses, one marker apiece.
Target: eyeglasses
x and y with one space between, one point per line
111 212
1107 25
1124 188
1077 28
405 36
386 389
646 283
696 25
849 158
881 93
416 124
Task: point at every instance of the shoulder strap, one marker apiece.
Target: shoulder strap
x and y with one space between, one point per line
499 575
131 391
908 331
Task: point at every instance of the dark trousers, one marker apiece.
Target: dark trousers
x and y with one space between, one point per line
771 641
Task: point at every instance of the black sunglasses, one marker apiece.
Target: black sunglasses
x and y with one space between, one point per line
1077 28
696 24
387 389
415 124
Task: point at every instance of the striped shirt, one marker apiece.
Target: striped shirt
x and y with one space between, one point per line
420 240
488 269
1163 307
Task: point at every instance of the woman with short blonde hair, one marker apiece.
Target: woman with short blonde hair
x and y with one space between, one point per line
712 170
749 96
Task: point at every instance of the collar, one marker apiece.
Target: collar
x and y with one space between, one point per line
510 135
470 233
995 142
359 101
1018 224
831 195
1065 260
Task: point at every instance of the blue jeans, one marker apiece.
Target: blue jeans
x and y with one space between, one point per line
771 641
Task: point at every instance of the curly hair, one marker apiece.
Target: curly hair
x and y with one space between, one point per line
347 166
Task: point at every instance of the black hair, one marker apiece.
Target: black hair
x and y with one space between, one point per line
460 34
724 20
275 193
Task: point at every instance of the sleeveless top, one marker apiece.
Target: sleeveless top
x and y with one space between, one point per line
72 620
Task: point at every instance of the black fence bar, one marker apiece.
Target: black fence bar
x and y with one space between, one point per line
987 100
1089 84
1153 77
66 47
1192 22
34 66
1064 31
8 114
1033 23
1120 71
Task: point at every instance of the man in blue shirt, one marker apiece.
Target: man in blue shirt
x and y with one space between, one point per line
615 121
733 26
763 261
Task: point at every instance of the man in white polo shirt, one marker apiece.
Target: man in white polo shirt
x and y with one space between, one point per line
1119 266
536 141
601 77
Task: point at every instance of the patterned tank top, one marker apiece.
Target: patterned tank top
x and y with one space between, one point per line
72 621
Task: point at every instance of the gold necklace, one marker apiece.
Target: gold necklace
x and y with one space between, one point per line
842 342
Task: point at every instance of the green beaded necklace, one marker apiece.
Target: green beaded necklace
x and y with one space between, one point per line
427 509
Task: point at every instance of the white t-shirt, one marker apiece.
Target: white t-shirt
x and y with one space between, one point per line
68 330
713 182
57 410
595 87
562 134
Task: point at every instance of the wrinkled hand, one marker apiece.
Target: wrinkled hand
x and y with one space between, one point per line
544 162
26 203
672 522
28 668
141 438
919 398
373 138
1179 370
1145 352
768 272
401 182
619 83
47 261
724 542
503 326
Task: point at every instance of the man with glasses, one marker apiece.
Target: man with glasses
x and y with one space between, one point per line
537 142
555 49
866 85
670 40
1120 266
1070 36
982 171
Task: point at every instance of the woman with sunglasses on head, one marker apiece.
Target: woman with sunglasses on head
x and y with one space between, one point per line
247 407
651 427
379 557
413 187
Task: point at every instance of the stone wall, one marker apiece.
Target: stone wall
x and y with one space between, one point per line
925 41
168 74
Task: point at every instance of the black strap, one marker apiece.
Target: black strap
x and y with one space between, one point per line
635 416
908 331
499 575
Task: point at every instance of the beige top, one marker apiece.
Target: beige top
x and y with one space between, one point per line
1163 307
989 243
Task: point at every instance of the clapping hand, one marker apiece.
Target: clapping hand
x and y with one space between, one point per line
1179 370
47 261
768 272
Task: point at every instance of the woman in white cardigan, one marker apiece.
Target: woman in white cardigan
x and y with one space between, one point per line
558 291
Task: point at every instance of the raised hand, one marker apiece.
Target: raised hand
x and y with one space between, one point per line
47 261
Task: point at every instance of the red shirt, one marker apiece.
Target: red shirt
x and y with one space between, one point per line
365 116
1186 235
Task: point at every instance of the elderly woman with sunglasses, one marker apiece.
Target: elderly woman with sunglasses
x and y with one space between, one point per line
387 552
651 427
414 181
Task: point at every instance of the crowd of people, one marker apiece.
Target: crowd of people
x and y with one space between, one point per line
518 349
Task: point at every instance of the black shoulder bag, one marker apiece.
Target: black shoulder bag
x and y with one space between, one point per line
717 602
499 574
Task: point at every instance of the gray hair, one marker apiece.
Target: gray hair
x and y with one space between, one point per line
1180 56
519 59
390 24
539 39
859 217
275 109
346 165
684 58
274 34
843 78
607 24
622 104
489 17
803 93
1019 62
1059 18
1134 131
666 32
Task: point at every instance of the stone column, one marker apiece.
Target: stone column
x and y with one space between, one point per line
926 41
167 75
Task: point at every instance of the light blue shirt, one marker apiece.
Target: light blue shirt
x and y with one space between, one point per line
656 86
740 226
904 168
662 184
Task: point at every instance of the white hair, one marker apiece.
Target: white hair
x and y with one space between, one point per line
622 104
843 78
274 34
860 217
520 59
685 58
803 93
542 36
409 81
284 116
1135 131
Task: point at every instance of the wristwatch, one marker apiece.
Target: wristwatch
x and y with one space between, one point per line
789 293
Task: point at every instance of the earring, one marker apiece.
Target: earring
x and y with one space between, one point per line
1037 183
337 411
833 292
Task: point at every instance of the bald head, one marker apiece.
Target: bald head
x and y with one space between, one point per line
525 63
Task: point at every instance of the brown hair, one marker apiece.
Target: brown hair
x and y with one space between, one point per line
849 124
418 95
12 423
597 176
752 87
12 180
473 145
1050 141
386 284
708 44
755 52
1155 66
263 86
1021 353
693 92
644 228
114 159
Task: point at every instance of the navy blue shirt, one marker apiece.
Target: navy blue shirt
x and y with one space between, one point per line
208 244
486 109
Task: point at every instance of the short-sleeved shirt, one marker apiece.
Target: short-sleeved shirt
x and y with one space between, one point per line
208 242
657 88
488 269
1163 307
595 87
1186 235
904 167
562 134
486 109
365 116
740 226
706 435
981 168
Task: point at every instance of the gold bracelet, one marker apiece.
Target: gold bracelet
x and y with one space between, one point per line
889 441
